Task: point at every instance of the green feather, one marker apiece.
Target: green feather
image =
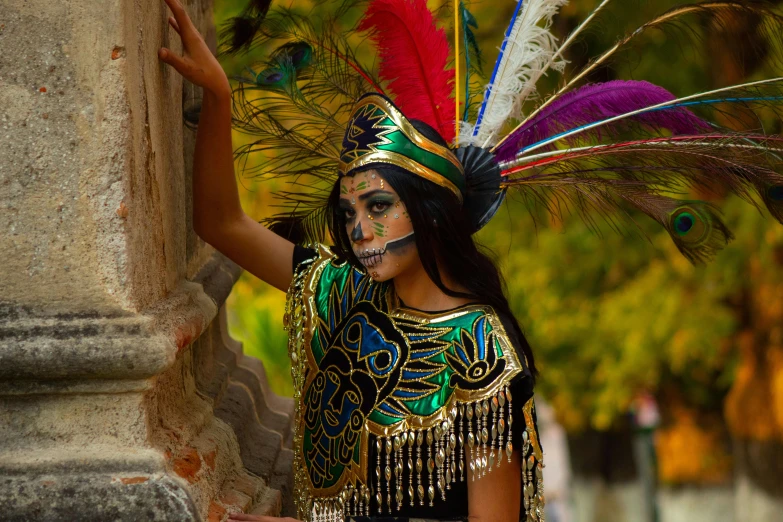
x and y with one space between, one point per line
468 22
286 64
472 50
275 78
298 54
773 199
311 79
694 226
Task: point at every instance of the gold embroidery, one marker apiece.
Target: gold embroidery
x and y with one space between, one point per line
436 463
533 498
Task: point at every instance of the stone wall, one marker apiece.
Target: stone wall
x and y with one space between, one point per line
121 395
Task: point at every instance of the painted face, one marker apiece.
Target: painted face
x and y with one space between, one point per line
378 225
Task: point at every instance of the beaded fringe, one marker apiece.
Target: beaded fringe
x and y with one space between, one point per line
417 465
294 325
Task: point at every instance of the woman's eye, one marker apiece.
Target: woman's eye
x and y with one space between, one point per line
379 206
349 214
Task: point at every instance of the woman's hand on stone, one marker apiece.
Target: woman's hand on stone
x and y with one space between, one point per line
198 65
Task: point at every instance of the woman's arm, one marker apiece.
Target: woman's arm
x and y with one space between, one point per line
217 214
495 497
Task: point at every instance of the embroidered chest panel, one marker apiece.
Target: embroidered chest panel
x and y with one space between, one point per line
370 372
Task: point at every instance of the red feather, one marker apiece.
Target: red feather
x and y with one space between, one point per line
414 54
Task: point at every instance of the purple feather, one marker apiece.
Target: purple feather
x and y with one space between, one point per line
600 101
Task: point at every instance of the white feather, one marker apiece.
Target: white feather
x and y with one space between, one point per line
465 132
528 54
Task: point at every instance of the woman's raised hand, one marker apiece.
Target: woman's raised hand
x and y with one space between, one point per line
198 65
218 217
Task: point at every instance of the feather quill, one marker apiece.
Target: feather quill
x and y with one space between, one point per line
413 54
597 102
761 143
527 49
677 104
741 163
572 36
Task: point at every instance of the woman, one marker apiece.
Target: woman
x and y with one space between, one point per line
413 380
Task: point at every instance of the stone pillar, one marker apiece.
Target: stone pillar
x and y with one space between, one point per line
121 395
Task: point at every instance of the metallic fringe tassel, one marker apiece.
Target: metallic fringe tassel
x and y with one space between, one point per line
487 440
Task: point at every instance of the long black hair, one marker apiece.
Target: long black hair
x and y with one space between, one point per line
443 239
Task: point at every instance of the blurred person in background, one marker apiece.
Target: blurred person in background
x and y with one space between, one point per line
557 473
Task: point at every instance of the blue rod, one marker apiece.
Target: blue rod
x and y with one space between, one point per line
497 66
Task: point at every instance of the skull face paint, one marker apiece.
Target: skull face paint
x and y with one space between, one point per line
378 225
356 233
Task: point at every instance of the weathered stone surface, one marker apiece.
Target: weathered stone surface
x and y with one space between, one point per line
94 497
121 395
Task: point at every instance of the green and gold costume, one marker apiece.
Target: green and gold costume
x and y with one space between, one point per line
393 405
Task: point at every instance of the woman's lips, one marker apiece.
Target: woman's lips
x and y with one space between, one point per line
371 257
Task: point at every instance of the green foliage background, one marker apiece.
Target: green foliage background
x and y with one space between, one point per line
608 316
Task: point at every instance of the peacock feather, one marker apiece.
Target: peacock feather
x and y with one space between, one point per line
238 32
695 226
295 105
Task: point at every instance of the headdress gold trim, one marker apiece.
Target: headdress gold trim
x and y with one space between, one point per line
409 149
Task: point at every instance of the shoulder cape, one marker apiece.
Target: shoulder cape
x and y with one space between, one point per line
429 390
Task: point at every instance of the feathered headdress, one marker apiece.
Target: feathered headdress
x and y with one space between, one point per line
597 149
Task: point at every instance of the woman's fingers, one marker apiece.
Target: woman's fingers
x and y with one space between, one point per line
181 18
174 60
177 10
174 25
197 63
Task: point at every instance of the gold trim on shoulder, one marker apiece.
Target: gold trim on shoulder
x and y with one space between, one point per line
527 410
